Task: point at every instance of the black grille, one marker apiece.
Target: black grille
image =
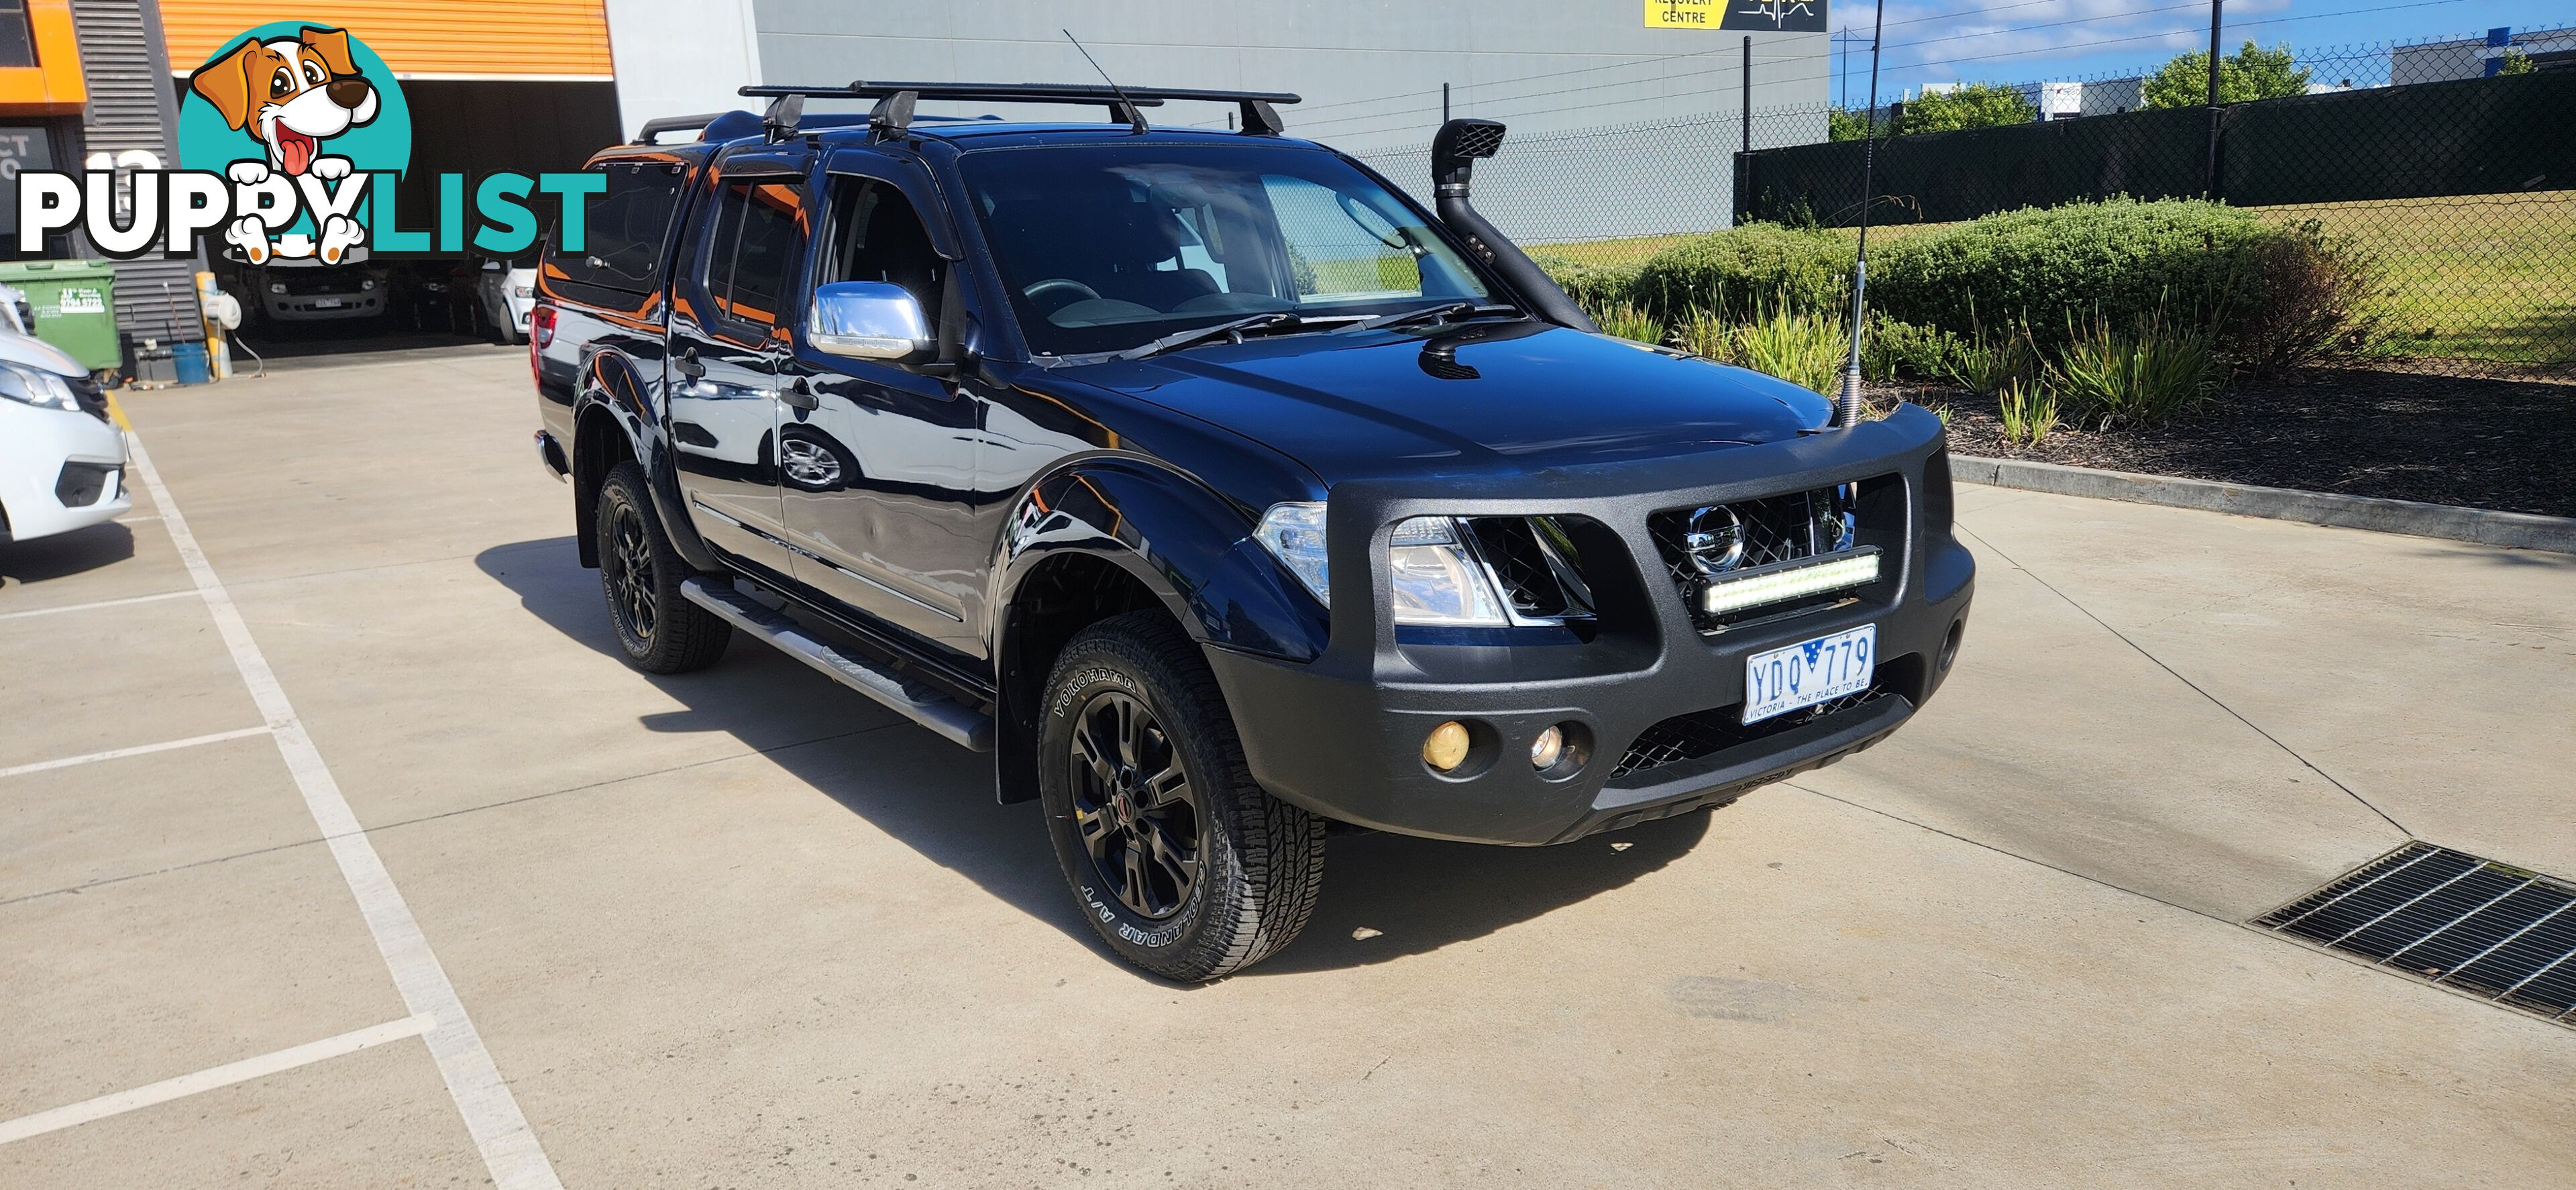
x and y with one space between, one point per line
1537 586
1775 529
2454 919
1706 733
313 282
1480 141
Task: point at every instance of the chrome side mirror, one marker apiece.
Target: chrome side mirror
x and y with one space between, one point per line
869 320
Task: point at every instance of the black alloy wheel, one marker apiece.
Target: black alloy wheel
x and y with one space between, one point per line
1181 862
657 628
1133 806
628 570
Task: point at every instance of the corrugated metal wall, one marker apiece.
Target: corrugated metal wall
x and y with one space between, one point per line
531 39
130 107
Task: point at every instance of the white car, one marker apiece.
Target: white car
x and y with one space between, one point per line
62 461
508 296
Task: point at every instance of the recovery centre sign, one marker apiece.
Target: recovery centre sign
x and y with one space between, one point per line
1738 16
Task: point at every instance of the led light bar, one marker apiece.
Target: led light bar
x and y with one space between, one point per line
1790 580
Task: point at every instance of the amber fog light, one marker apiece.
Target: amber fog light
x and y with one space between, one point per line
1446 747
1547 749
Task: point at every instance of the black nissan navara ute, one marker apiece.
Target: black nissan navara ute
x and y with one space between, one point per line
1216 488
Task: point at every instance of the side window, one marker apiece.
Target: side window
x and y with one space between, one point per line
878 236
624 232
760 225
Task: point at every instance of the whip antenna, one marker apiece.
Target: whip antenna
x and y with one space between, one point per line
1847 408
1135 115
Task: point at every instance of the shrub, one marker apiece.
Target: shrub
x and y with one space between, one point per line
1595 287
2310 301
2143 375
1708 336
1993 360
1805 348
1628 322
2119 260
1740 272
2029 412
1895 349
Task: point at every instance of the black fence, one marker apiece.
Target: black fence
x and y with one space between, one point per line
2450 162
2502 135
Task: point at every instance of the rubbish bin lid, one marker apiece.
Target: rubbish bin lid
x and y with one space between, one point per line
57 268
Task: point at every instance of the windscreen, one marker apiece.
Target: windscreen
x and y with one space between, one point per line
1105 247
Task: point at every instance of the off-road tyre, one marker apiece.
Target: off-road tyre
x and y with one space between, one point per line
657 628
1258 861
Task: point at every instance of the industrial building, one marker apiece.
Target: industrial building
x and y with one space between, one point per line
1618 128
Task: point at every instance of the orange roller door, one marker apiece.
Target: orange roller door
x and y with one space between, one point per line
523 39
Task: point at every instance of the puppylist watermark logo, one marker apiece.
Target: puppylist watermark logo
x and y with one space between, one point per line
292 142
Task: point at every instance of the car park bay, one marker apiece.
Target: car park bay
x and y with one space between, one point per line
746 927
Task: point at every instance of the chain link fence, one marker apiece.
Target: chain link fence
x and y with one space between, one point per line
2451 163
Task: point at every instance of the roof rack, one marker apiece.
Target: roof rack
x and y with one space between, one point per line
893 114
655 128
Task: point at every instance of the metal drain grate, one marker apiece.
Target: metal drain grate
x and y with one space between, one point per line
2457 920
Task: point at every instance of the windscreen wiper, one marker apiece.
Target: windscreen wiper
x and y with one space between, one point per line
1443 312
1275 320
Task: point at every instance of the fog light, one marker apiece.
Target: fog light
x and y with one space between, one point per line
1547 749
1446 747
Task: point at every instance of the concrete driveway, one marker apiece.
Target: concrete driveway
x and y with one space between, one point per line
353 856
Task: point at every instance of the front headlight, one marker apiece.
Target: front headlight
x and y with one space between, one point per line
1433 575
31 386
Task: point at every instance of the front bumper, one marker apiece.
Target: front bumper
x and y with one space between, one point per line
59 471
1342 736
323 307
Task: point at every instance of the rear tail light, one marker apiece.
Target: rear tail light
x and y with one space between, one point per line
541 331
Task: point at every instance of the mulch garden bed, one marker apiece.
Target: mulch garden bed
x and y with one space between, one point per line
2483 443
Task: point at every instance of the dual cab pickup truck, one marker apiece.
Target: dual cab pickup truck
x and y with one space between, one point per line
1217 489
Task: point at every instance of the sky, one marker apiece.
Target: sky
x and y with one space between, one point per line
2027 40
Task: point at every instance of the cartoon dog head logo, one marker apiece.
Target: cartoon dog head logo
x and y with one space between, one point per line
298 116
291 94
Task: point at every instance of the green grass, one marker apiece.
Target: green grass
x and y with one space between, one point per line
2486 277
1386 272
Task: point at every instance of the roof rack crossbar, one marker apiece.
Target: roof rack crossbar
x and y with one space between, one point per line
1260 115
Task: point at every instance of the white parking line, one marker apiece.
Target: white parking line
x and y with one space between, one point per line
137 750
207 1080
82 607
509 1148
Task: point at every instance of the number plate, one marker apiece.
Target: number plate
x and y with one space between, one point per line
1808 673
326 303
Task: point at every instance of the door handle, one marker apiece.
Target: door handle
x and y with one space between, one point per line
800 395
688 364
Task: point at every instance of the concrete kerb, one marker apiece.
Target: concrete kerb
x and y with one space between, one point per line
2515 530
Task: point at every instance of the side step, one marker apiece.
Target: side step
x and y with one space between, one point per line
934 710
